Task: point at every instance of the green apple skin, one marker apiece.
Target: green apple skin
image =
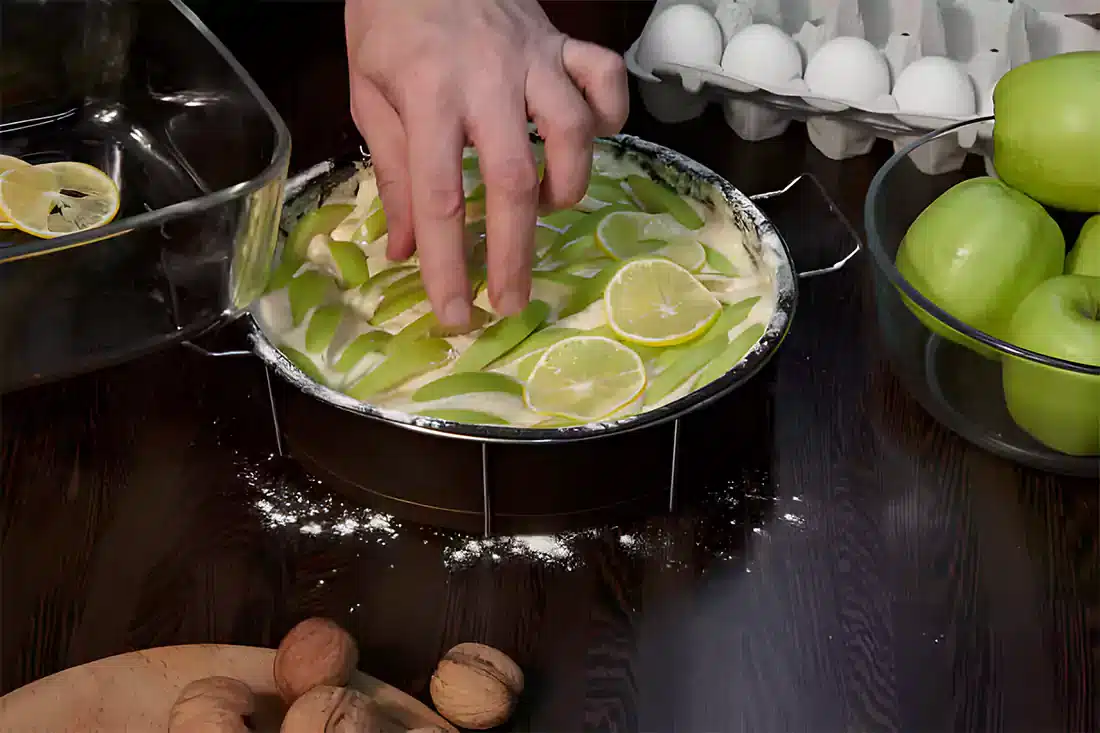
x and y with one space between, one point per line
1046 135
1084 258
976 252
1059 408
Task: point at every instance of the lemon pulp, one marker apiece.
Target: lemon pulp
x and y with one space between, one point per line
54 199
655 302
585 378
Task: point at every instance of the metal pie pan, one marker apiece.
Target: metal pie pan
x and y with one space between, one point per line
687 177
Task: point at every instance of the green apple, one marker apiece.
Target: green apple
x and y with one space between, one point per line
1046 136
1084 258
1059 408
976 252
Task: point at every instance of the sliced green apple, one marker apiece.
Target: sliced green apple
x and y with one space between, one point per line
731 316
304 364
371 342
396 304
321 220
429 325
284 273
658 199
308 290
414 359
462 383
350 262
322 327
688 361
562 219
373 226
719 262
537 341
473 417
732 355
503 336
588 293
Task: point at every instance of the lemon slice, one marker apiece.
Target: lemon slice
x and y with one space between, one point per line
7 162
585 378
627 234
656 302
55 199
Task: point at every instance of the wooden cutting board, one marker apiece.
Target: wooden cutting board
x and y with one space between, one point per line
133 693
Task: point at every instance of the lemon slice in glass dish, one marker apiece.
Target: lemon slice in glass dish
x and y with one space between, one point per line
627 234
585 378
655 302
7 162
55 199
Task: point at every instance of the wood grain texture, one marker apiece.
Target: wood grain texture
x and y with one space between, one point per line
837 560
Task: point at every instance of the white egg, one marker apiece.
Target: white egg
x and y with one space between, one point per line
936 86
848 68
763 54
681 34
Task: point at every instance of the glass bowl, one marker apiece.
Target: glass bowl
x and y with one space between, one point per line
144 92
958 387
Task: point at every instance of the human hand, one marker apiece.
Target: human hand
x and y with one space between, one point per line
429 75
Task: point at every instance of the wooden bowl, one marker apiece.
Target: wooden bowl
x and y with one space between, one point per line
135 692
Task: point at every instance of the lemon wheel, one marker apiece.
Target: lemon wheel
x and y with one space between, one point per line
56 199
655 302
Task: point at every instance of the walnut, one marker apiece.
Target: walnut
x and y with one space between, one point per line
476 686
212 705
329 709
315 652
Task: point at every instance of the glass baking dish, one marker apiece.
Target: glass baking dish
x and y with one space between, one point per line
143 91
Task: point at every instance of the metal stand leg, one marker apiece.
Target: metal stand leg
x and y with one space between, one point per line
675 465
486 507
274 413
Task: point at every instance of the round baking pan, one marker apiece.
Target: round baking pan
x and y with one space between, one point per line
496 479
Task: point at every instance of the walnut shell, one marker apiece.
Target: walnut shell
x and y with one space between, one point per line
329 709
476 686
315 652
212 705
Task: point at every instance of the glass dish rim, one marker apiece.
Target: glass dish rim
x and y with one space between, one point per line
275 168
886 265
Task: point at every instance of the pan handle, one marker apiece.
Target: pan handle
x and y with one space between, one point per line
856 244
238 330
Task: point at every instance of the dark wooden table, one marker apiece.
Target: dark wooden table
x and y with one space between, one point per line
851 566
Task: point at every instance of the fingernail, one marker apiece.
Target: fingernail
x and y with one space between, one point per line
456 312
511 302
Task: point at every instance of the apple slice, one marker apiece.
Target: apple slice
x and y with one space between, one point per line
321 220
657 199
719 262
473 417
366 343
688 361
591 291
732 355
322 327
429 325
308 290
462 383
414 359
350 262
562 220
373 226
537 341
503 336
306 365
731 316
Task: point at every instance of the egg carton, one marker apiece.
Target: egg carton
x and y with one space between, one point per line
678 61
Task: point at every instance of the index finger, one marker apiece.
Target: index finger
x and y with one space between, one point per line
499 132
435 140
